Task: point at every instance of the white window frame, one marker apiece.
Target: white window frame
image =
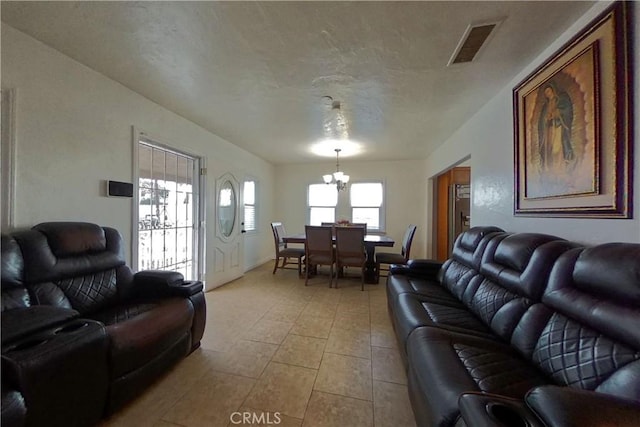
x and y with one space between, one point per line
381 208
255 228
309 207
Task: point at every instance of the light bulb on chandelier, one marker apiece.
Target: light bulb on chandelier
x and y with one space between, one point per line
338 178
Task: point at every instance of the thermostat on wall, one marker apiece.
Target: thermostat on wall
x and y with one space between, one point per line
119 189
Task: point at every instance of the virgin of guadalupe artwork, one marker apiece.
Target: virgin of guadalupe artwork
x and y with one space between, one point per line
554 130
560 139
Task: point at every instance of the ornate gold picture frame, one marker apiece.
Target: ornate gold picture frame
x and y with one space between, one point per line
572 126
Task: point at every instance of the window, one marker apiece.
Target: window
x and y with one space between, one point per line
322 201
249 199
366 204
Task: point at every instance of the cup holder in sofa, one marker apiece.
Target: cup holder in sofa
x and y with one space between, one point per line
71 327
27 344
480 409
507 415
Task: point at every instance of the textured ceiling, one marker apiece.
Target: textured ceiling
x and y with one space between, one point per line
255 72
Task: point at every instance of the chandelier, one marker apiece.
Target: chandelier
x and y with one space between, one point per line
339 178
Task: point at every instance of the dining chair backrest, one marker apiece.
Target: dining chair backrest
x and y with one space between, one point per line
318 240
278 233
350 242
407 240
332 225
359 224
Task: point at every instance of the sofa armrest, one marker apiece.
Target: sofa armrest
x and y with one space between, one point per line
424 268
564 407
158 284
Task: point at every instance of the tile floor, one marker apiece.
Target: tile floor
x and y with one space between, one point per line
289 354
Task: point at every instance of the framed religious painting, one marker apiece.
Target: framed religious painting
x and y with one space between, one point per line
572 126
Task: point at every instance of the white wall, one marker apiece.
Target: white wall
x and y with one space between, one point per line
488 138
74 130
405 187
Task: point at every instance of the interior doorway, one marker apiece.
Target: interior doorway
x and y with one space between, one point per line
452 208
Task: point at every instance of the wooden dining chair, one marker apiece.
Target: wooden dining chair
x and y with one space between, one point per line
395 258
318 250
284 252
350 250
359 224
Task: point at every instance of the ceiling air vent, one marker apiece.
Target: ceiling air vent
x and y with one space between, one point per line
471 42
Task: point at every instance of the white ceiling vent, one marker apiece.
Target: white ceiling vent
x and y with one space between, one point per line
474 37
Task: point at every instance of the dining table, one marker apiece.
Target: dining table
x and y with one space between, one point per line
371 241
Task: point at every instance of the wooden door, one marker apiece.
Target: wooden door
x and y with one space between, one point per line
459 175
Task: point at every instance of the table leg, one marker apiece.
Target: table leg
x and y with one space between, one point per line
370 266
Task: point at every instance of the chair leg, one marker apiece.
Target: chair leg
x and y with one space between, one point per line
299 266
362 279
275 267
337 274
331 277
306 276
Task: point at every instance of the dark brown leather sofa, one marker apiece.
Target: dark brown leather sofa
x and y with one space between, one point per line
521 330
81 333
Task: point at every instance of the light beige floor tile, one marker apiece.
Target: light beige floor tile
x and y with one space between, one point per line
283 388
355 308
391 404
269 331
318 327
352 320
380 317
264 418
327 296
387 365
319 309
329 410
354 296
246 358
349 342
284 312
345 375
222 341
211 401
383 336
301 351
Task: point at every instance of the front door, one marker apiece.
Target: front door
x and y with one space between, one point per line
228 256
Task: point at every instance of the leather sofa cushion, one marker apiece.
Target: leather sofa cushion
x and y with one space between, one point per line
140 331
399 284
14 294
444 364
73 238
54 256
20 322
411 311
12 263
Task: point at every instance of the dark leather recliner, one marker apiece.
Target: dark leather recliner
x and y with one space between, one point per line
489 343
82 334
